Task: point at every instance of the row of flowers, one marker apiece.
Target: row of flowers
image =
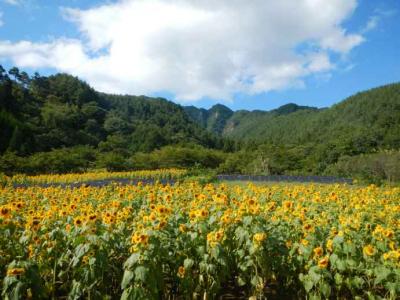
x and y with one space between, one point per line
96 175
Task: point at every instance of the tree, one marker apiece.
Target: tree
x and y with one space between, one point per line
14 71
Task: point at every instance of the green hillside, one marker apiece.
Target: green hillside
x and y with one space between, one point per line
45 113
213 119
350 138
60 124
367 120
364 121
221 120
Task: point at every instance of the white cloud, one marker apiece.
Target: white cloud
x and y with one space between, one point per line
196 48
12 2
371 24
348 68
341 42
320 62
377 18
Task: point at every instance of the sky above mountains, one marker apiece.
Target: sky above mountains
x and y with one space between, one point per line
246 54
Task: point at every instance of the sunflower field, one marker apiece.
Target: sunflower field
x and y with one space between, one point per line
192 241
94 176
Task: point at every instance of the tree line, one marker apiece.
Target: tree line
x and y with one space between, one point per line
58 124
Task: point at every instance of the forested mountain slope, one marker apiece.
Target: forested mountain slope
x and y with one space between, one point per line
221 120
213 119
44 113
364 121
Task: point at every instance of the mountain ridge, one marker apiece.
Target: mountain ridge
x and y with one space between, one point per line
219 118
377 109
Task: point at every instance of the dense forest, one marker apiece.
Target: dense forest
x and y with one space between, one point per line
364 121
306 140
60 124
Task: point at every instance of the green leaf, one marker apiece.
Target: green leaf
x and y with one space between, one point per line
24 239
241 281
256 280
338 279
247 220
126 295
131 261
241 234
381 274
126 279
333 258
141 273
340 265
242 267
392 288
16 292
357 282
308 284
193 235
337 240
315 296
215 251
252 249
325 289
351 263
241 253
212 220
201 250
188 263
211 269
203 228
314 277
76 290
249 263
81 250
348 248
203 267
369 272
370 296
92 261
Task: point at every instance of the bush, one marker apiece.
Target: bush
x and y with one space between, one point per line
10 163
178 157
371 168
236 163
112 162
75 159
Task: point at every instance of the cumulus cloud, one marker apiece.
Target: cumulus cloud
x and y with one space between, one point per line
196 48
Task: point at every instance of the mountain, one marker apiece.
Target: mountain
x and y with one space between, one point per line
291 108
307 140
366 120
221 120
40 114
369 119
213 119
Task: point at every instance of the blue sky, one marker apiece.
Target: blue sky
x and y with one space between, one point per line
195 67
